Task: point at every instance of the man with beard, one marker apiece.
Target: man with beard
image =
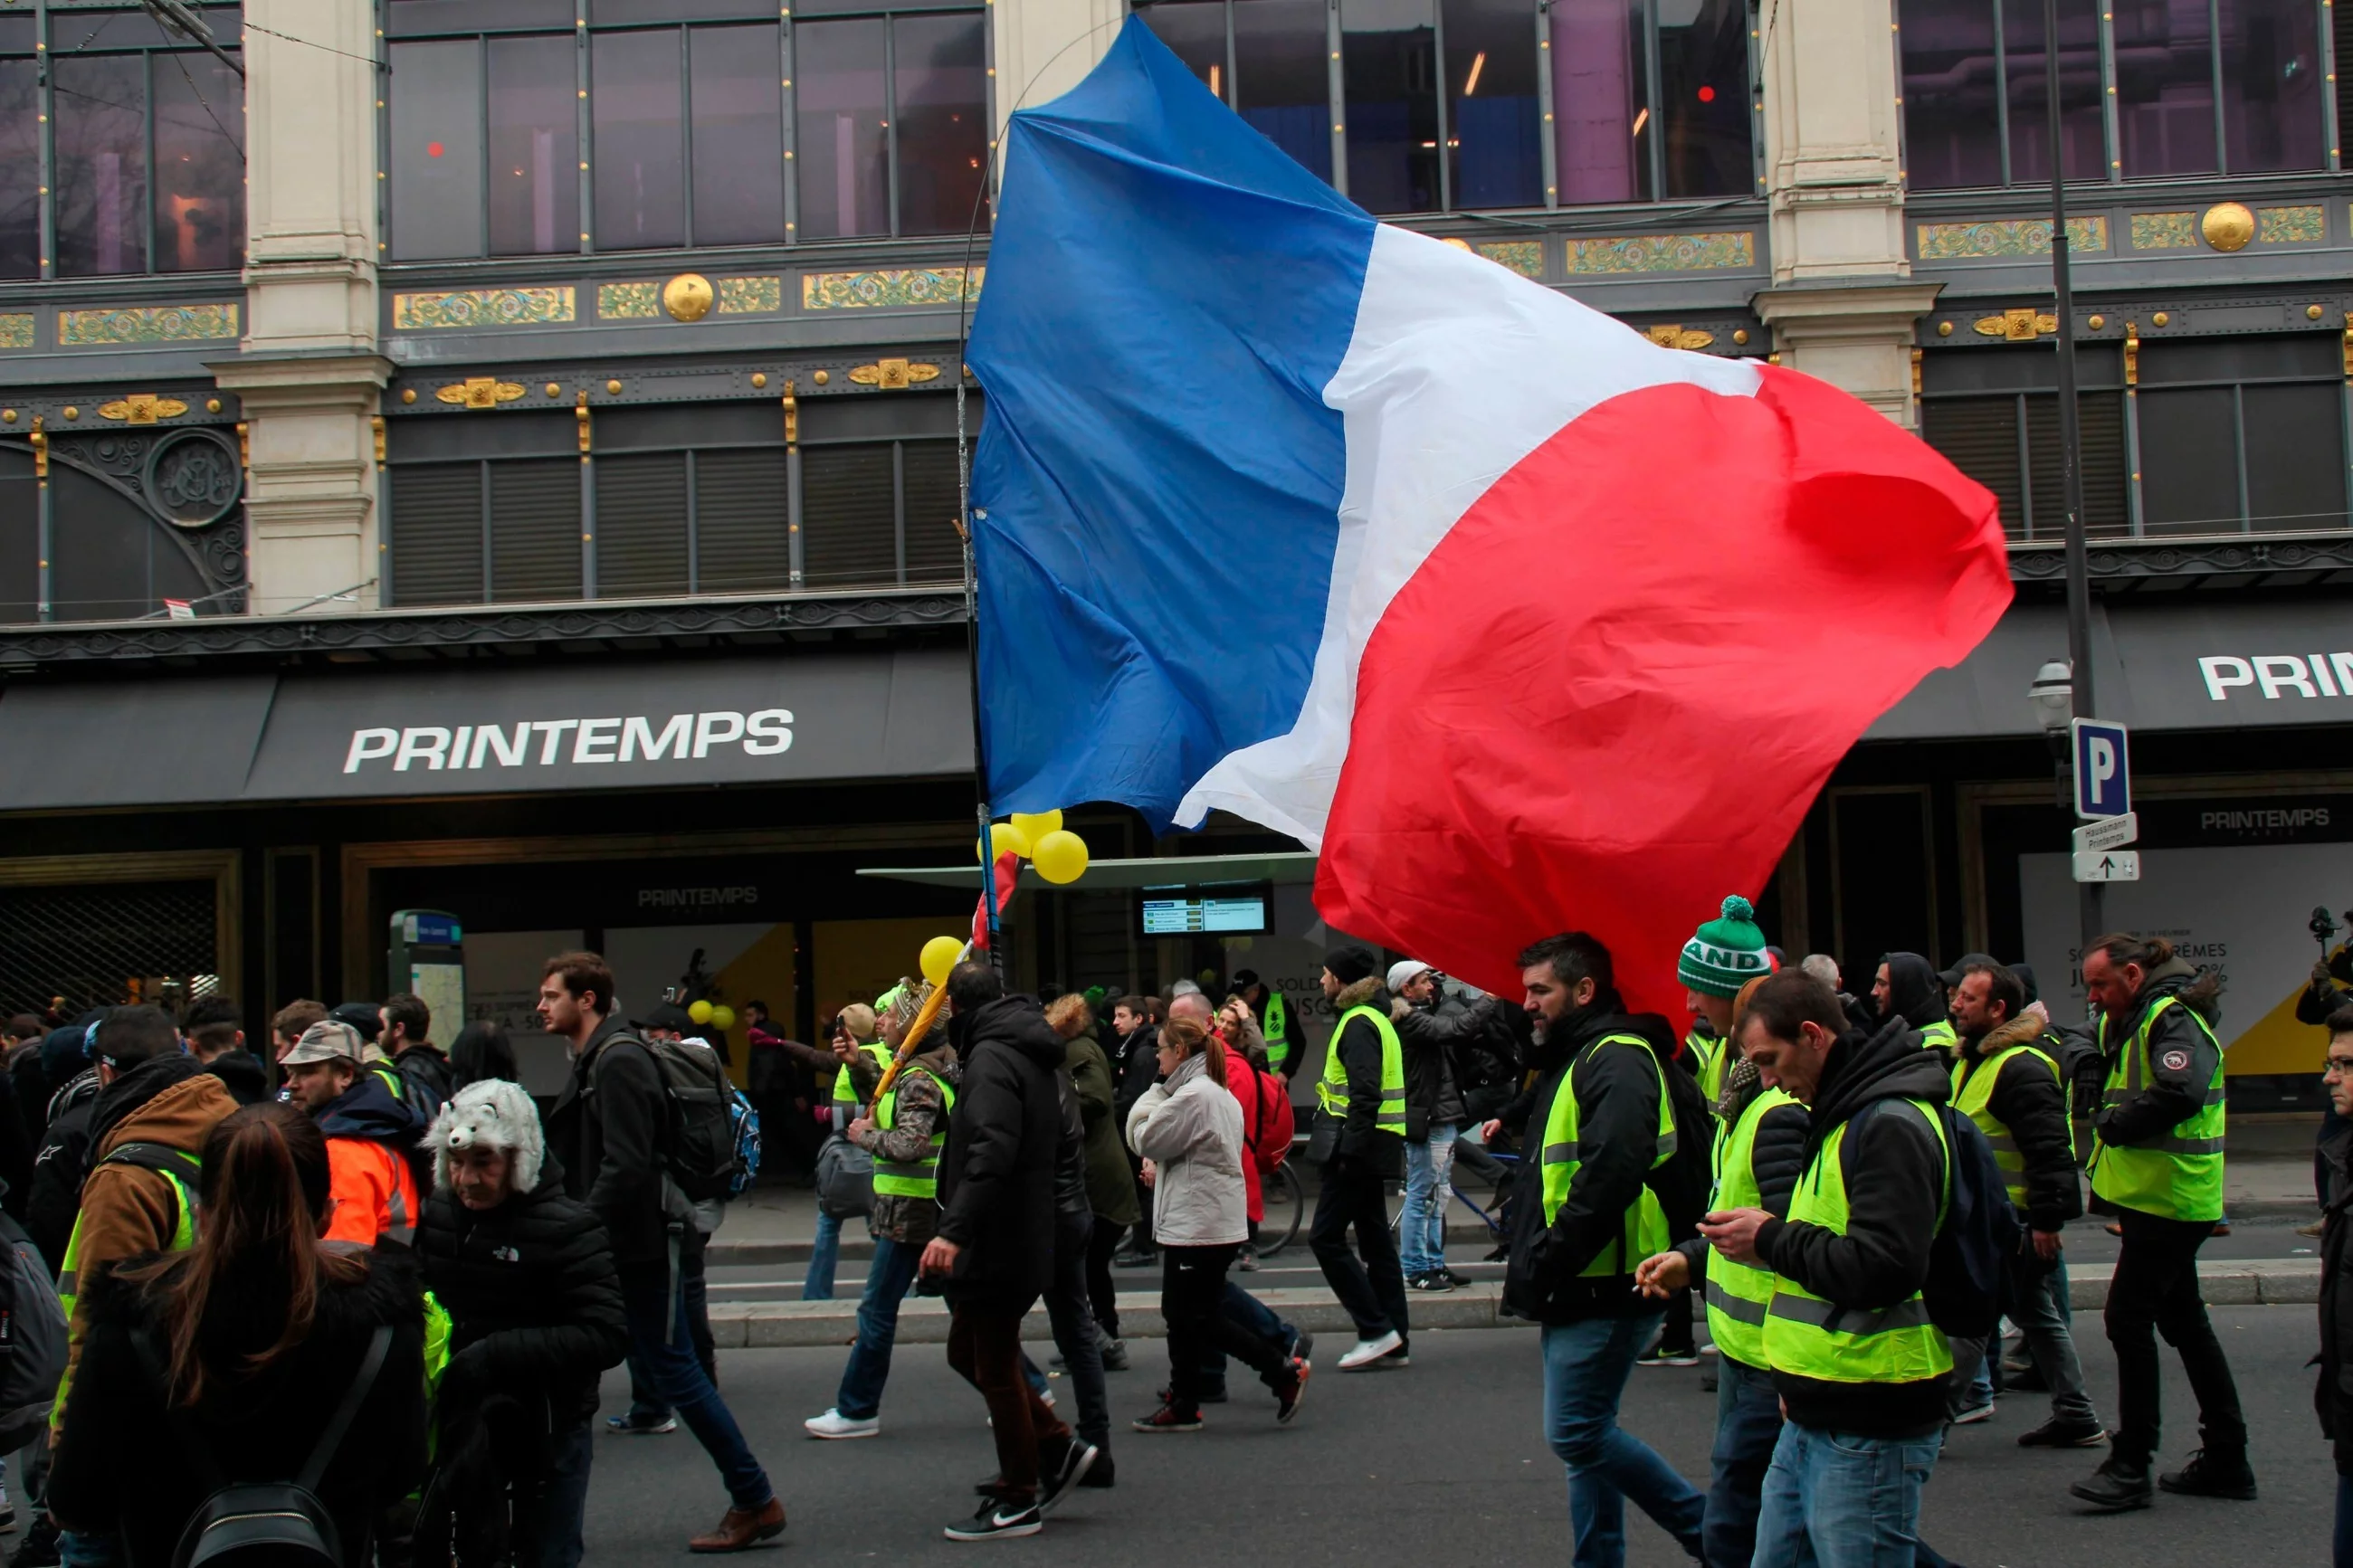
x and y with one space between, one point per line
1909 987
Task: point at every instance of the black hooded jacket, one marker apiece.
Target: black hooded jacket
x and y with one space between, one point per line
1005 1142
2332 1395
242 1074
59 1165
1915 991
2181 1058
2029 1098
1429 1037
1358 1136
1776 1157
606 1131
1617 1138
1894 1170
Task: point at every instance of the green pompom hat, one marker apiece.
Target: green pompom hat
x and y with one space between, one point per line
1726 953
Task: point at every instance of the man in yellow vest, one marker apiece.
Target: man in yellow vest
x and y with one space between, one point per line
2008 1082
2159 1160
1906 987
1600 1129
1358 1140
1862 1372
1277 1020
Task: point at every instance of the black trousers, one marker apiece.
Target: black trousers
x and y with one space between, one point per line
2154 1291
1373 1291
1192 1301
1101 1294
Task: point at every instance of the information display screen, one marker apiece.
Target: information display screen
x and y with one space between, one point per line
1204 911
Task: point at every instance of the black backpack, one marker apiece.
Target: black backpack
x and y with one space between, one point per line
700 1147
1687 1179
1978 1238
264 1524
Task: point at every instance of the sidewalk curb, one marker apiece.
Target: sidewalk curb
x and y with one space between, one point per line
923 1320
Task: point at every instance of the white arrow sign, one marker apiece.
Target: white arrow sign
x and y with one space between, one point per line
2107 865
2109 833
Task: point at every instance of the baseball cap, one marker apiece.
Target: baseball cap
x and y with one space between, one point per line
324 1041
1404 969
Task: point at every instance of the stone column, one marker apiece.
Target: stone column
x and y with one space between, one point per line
1044 47
1842 306
308 374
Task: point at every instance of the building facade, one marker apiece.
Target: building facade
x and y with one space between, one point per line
438 367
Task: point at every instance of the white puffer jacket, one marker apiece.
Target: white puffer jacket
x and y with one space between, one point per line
1190 1128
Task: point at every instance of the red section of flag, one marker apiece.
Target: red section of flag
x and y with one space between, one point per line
1008 875
1609 697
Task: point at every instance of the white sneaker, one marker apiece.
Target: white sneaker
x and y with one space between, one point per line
834 1423
1370 1351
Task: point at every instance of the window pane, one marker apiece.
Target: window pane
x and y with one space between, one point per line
2165 89
1599 101
607 12
437 150
535 530
1493 116
1704 82
101 141
437 534
943 108
105 555
2271 84
935 552
1388 52
641 525
1979 436
2189 462
849 516
1283 79
739 114
199 164
20 171
741 528
2079 89
534 146
2296 456
20 538
410 17
838 137
1951 137
634 99
1195 32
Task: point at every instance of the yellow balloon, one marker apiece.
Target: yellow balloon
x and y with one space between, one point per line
1002 836
940 955
722 1017
1062 856
1036 824
698 1011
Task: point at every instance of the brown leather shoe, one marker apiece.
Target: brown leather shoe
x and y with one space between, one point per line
744 1527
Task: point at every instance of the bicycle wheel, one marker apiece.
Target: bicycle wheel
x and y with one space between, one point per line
1286 1208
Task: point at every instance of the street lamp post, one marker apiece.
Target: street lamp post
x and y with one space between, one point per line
2054 700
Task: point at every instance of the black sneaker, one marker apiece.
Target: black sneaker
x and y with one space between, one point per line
1077 1458
2057 1434
1302 1346
1246 1260
1286 1400
1461 1281
1168 1418
1101 1476
1664 1354
2212 1475
1429 1283
1208 1396
2119 1484
998 1521
39 1547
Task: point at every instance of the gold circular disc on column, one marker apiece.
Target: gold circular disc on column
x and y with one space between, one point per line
688 297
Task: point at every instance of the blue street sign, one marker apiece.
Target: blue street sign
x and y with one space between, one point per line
2103 768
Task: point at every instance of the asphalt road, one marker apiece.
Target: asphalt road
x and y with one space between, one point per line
1442 1463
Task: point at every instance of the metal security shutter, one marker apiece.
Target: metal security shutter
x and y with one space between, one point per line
743 528
1979 436
2107 502
2295 458
935 552
535 530
641 525
20 538
849 517
90 944
437 534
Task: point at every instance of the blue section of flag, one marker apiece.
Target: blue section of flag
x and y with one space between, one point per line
1156 493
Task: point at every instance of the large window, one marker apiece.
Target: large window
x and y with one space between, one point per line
689 140
2216 436
2199 86
1443 104
143 167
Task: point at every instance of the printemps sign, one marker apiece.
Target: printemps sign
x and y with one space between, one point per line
571 742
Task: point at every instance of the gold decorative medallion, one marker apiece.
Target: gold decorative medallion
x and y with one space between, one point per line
143 408
688 297
479 392
892 374
2227 225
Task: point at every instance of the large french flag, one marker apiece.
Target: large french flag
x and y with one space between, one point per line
1525 622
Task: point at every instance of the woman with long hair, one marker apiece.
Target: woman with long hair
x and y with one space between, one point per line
481 1051
1187 1128
224 1363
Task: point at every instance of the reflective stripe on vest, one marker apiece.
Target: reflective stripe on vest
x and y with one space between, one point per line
845 1091
1712 1053
2179 1176
1332 1088
1276 1027
1939 1034
1973 1086
1643 1231
1807 1336
918 1178
184 1237
1738 1293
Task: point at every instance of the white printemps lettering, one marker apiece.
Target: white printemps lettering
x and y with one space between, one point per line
2279 671
424 743
2221 672
554 730
762 732
367 745
494 738
638 738
769 731
595 741
2278 674
716 729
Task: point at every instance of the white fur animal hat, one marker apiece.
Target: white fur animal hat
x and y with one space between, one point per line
491 1114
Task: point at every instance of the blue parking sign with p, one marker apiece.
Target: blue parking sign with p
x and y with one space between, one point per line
2103 769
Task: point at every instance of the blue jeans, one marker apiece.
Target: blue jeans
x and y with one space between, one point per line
819 1285
1833 1499
1748 1426
1239 1306
1421 1228
548 1518
1585 1367
661 1353
77 1549
887 1278
2344 1553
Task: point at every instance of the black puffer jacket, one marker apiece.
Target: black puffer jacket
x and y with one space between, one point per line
2030 1099
1428 1037
606 1131
1004 1143
59 1165
1135 1067
534 1302
2332 1395
121 1464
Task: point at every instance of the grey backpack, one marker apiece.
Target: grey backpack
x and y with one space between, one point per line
32 1338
